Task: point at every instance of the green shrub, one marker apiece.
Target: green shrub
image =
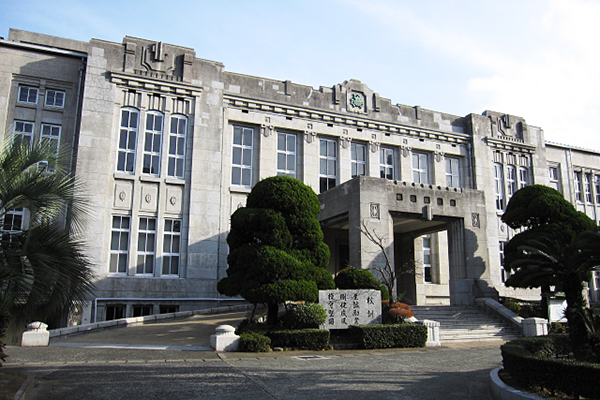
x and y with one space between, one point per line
301 316
302 339
557 328
532 362
385 336
513 306
356 278
254 342
385 294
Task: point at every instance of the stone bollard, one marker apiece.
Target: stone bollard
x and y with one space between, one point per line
535 327
36 335
225 339
433 332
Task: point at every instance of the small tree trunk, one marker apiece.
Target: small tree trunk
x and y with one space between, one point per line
578 333
272 311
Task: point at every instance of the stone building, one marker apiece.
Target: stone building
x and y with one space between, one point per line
169 145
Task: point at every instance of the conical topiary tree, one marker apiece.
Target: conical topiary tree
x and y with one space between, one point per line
276 246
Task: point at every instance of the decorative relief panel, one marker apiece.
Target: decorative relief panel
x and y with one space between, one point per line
174 199
122 198
149 198
374 211
356 102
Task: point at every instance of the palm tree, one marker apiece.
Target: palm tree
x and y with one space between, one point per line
540 262
43 270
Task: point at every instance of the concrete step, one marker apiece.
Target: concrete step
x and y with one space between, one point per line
466 324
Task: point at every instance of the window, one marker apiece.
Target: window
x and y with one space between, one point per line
578 188
145 248
358 163
55 98
23 132
286 154
168 309
420 164
141 310
28 94
387 163
51 135
597 187
427 259
327 164
177 136
503 272
115 311
12 224
119 246
499 186
241 164
127 140
511 181
588 188
523 177
554 178
171 247
453 172
152 143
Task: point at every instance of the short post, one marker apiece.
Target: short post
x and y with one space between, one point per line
433 332
535 327
225 339
36 335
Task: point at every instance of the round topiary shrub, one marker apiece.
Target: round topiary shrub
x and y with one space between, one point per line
303 316
254 342
397 313
356 278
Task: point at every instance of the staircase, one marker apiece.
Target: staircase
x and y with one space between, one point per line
466 324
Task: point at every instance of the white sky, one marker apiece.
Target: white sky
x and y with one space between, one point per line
538 59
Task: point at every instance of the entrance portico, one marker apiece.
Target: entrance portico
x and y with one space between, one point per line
399 213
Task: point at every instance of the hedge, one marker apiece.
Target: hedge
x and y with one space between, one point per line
301 339
254 342
532 362
385 336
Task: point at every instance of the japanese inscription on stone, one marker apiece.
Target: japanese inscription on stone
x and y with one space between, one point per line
350 307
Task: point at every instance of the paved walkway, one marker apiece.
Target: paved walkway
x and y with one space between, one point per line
123 363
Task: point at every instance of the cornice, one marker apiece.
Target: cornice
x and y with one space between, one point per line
510 145
155 85
353 121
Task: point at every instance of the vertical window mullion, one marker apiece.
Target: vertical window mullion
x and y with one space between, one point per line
242 156
119 248
327 164
146 246
127 140
287 146
177 138
171 253
387 163
152 143
358 159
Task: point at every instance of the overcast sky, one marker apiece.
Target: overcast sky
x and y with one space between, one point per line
538 59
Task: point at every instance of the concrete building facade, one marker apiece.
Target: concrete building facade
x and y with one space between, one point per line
169 145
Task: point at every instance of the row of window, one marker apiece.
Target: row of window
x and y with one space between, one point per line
288 161
30 94
146 251
587 187
50 133
507 180
152 143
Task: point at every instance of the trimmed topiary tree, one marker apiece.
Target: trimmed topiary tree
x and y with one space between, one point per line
356 278
276 247
559 246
